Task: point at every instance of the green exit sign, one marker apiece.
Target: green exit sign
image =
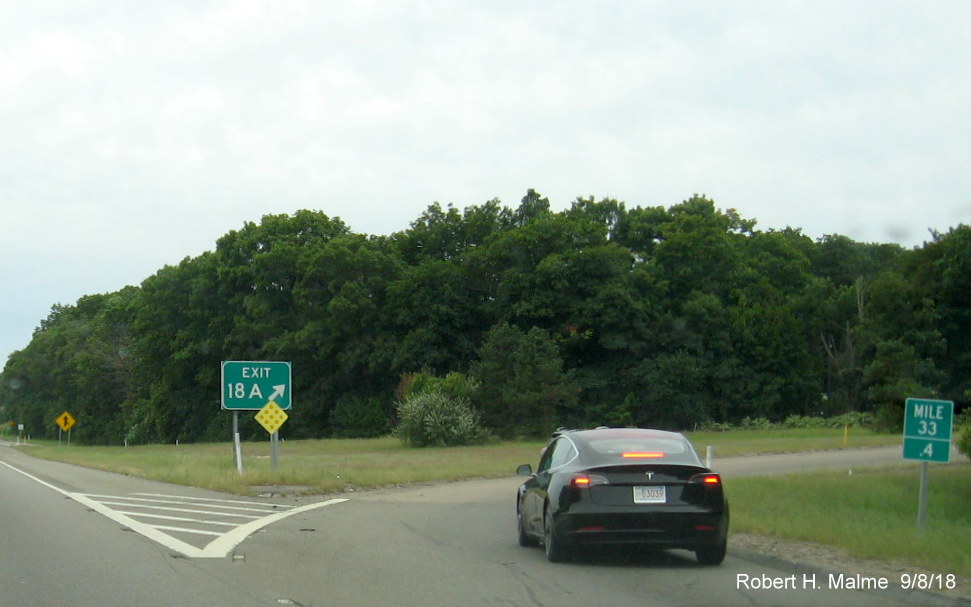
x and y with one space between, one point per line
250 385
927 429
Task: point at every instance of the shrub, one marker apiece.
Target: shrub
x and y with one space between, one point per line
758 423
889 418
435 419
801 421
713 426
852 418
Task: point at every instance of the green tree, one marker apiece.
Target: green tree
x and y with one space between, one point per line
523 387
259 267
655 316
78 361
942 272
447 235
676 395
180 319
341 337
436 314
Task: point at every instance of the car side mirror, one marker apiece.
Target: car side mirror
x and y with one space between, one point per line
524 470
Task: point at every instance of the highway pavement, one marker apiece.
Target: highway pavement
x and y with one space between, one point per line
83 538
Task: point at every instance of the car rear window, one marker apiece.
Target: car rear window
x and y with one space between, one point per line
638 450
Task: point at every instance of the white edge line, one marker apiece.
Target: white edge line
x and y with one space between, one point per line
218 548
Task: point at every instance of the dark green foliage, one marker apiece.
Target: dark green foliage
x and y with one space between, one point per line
962 432
455 385
600 314
355 417
524 390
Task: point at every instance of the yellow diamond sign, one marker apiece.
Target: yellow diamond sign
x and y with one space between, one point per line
65 421
271 417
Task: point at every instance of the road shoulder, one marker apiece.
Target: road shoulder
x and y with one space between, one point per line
822 560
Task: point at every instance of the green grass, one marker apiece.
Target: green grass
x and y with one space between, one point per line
751 442
317 466
871 514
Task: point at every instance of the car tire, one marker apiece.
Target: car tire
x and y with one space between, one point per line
556 552
712 555
525 540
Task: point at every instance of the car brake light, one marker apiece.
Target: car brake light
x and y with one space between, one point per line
582 481
643 454
709 478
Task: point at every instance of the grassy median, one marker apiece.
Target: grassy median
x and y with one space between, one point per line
789 440
306 466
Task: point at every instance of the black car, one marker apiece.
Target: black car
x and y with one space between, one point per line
622 486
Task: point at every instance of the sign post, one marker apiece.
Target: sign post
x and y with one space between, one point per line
271 417
927 438
237 448
252 386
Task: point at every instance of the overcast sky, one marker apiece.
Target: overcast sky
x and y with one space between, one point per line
135 134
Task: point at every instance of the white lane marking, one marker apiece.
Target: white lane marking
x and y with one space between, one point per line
191 501
222 545
218 548
185 530
209 499
187 510
165 517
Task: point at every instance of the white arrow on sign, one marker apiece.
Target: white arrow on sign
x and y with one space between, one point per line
278 391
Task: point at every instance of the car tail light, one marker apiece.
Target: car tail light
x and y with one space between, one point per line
643 455
582 481
709 478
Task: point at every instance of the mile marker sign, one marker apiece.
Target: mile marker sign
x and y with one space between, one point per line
250 385
927 430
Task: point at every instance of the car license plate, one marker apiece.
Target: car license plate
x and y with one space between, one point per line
650 495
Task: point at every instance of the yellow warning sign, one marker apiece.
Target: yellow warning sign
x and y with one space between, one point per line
271 417
65 421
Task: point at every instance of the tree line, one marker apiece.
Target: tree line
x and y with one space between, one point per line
599 314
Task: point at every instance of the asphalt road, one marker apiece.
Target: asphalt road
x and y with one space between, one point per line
448 544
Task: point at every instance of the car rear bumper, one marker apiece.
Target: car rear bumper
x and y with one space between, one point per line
671 530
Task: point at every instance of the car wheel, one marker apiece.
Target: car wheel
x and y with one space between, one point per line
556 552
525 539
712 555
